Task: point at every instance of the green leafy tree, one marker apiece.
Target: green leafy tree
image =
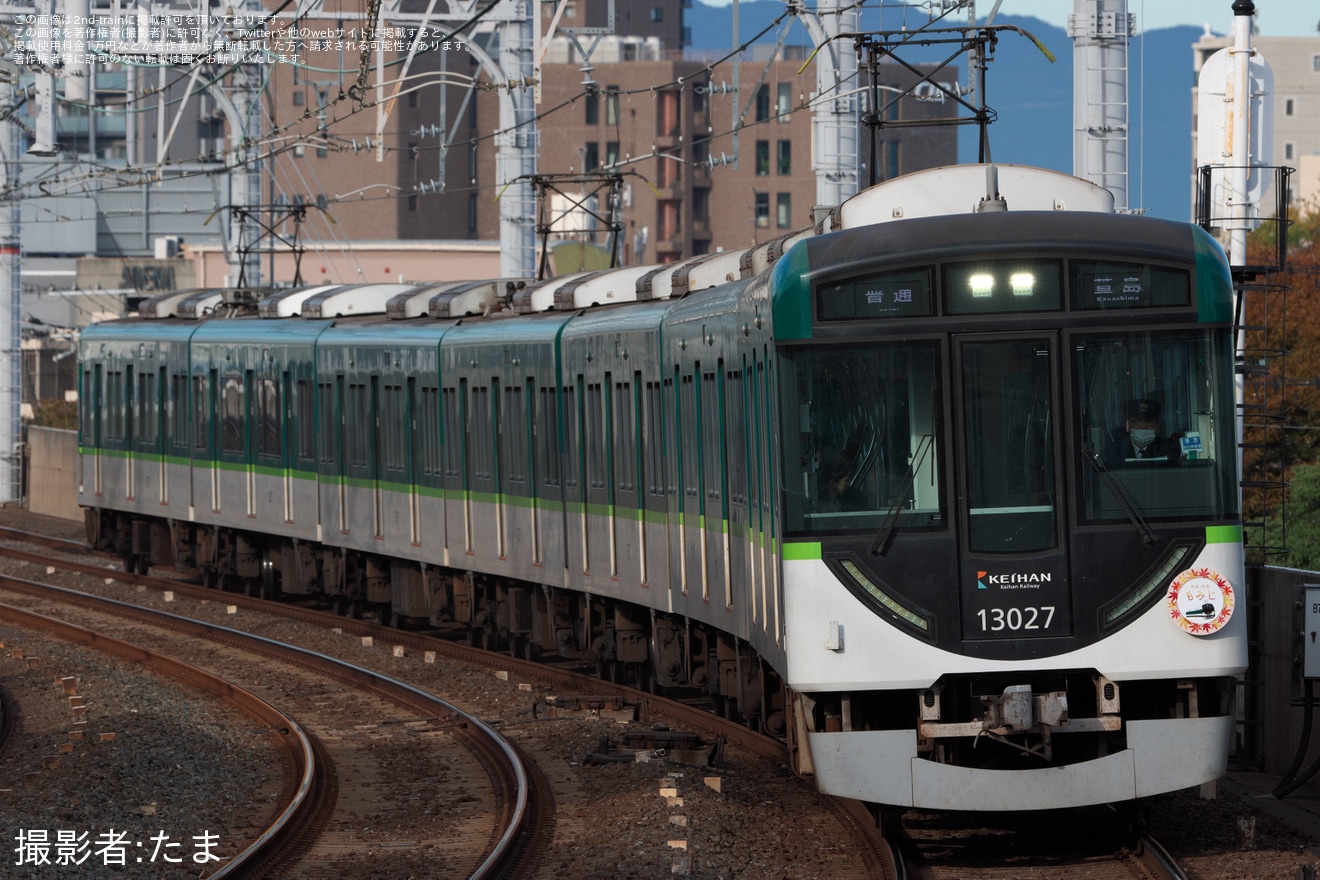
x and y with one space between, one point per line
1303 521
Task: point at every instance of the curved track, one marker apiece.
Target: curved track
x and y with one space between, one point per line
518 819
875 851
308 775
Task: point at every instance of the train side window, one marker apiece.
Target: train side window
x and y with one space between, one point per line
453 427
512 428
394 440
85 409
573 453
179 410
655 468
737 427
114 405
625 461
595 437
713 432
549 445
327 422
689 443
479 431
231 413
200 412
306 420
146 408
429 431
268 416
358 418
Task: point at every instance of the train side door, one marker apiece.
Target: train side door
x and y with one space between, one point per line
1014 560
126 422
97 414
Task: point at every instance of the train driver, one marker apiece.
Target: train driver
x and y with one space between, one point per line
1140 438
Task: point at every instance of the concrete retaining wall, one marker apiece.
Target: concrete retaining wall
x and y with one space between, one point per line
52 487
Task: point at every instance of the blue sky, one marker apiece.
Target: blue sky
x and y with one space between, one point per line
1274 18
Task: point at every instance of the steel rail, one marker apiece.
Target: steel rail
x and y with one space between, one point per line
512 776
292 739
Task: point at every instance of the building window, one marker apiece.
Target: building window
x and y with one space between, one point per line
783 210
472 212
1315 63
590 156
299 150
1287 152
412 100
611 153
762 210
783 101
891 160
889 100
299 98
322 152
412 204
592 102
657 13
1287 106
763 102
762 158
785 157
611 105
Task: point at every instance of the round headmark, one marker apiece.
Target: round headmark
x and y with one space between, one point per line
1200 600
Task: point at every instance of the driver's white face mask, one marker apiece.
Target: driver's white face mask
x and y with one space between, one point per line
1142 437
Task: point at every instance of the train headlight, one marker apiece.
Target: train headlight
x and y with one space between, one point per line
982 284
888 601
1023 283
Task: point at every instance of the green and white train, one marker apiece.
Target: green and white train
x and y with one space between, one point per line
853 484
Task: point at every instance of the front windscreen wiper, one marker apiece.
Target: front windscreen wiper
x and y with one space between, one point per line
1120 494
881 544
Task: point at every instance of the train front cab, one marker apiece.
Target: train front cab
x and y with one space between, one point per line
986 610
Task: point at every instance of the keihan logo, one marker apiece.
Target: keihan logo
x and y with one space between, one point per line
980 584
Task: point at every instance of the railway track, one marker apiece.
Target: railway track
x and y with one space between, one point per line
310 837
1080 844
866 841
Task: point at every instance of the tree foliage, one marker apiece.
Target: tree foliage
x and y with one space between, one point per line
55 414
1281 312
1302 536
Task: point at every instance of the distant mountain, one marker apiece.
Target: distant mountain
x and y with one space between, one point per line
1033 98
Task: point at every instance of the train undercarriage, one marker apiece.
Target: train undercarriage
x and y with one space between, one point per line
624 643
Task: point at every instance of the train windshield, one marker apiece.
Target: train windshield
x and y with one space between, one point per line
1156 424
1008 408
861 433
